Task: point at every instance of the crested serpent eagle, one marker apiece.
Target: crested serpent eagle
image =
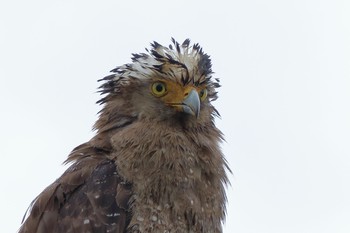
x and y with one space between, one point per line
155 164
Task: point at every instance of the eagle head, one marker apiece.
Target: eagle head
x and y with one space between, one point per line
164 83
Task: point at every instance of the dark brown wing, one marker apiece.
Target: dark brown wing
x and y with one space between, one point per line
89 197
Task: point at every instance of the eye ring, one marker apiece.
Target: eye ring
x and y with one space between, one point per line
203 94
158 89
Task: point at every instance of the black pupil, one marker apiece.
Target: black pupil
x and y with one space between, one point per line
159 87
201 93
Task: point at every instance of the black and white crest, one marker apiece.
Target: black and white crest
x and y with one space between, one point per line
183 63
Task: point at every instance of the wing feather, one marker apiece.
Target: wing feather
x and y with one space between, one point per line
89 197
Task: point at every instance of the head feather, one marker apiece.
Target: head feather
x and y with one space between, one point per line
183 63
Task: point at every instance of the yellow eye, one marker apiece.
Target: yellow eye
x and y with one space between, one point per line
203 94
158 89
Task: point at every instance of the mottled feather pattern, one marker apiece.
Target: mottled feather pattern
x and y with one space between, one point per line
149 168
91 193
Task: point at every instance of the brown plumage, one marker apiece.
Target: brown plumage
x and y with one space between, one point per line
155 164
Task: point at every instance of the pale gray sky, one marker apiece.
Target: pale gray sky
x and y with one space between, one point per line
285 71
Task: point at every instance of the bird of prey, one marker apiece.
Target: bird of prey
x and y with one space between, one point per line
155 163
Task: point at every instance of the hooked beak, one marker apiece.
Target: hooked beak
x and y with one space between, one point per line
191 104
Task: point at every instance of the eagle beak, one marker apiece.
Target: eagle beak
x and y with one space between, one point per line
191 104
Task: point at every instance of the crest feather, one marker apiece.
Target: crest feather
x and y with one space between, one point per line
183 63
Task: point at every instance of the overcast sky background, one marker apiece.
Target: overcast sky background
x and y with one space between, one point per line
285 98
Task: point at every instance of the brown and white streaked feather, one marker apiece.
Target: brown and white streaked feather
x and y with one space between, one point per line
183 63
148 169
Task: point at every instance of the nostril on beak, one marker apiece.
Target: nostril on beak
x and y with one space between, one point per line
191 103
